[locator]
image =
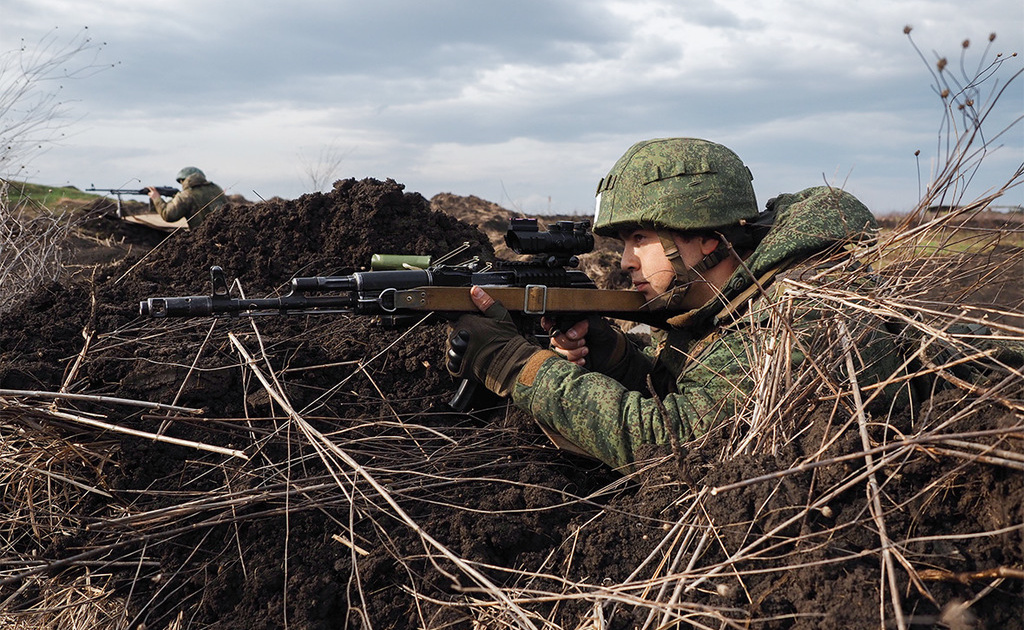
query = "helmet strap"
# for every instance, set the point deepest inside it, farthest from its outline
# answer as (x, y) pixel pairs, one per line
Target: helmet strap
(685, 276)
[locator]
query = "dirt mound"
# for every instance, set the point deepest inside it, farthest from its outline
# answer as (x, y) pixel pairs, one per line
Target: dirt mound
(326, 483)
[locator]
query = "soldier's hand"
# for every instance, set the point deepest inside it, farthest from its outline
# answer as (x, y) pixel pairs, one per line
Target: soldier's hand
(488, 348)
(592, 343)
(570, 343)
(153, 194)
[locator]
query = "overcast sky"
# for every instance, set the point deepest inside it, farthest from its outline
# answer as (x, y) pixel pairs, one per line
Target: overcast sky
(526, 103)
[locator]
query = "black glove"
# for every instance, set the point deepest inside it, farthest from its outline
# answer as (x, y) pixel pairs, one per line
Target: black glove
(489, 349)
(606, 345)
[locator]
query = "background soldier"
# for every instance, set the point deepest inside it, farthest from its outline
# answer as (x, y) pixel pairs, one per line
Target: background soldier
(198, 198)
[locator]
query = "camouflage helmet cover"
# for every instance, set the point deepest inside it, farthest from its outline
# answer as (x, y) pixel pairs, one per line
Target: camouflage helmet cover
(188, 170)
(676, 184)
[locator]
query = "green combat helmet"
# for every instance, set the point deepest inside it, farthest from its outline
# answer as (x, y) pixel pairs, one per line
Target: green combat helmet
(676, 184)
(184, 173)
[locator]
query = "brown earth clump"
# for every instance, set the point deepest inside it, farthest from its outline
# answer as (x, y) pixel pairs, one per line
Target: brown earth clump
(306, 472)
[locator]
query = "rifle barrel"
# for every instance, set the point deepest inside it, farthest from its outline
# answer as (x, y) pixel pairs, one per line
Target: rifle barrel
(216, 305)
(166, 191)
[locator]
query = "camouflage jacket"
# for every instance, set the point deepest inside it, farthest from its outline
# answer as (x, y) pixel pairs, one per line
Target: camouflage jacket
(706, 363)
(197, 199)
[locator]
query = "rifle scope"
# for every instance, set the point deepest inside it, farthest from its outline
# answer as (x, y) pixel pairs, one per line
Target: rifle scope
(570, 238)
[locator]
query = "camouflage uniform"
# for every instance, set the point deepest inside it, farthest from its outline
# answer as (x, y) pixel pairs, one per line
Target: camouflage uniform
(703, 365)
(197, 199)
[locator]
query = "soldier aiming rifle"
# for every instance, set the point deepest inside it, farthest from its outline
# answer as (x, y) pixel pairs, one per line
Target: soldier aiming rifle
(166, 191)
(197, 198)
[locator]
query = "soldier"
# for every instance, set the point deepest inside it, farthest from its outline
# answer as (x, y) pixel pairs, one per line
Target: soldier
(697, 247)
(198, 198)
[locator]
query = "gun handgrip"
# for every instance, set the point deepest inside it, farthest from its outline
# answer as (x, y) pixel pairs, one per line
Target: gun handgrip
(463, 395)
(565, 321)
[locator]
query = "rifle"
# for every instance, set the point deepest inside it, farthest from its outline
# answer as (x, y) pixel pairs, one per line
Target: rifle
(548, 284)
(166, 191)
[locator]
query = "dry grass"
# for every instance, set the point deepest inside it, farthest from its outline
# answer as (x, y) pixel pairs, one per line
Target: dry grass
(30, 247)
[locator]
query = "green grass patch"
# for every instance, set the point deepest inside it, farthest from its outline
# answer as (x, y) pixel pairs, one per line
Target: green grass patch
(51, 197)
(962, 241)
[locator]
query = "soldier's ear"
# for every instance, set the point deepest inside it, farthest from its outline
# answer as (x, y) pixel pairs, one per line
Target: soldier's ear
(708, 244)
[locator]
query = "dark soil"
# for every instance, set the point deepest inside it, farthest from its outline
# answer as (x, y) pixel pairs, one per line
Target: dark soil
(296, 535)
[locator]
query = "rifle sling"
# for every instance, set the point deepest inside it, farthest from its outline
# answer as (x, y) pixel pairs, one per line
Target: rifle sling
(531, 300)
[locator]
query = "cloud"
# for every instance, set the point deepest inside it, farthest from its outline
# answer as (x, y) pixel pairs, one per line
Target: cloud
(515, 101)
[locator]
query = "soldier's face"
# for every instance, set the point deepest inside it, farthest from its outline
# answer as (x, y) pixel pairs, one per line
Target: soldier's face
(644, 259)
(643, 256)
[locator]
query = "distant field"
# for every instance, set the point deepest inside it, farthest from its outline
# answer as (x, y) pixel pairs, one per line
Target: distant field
(46, 196)
(975, 233)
